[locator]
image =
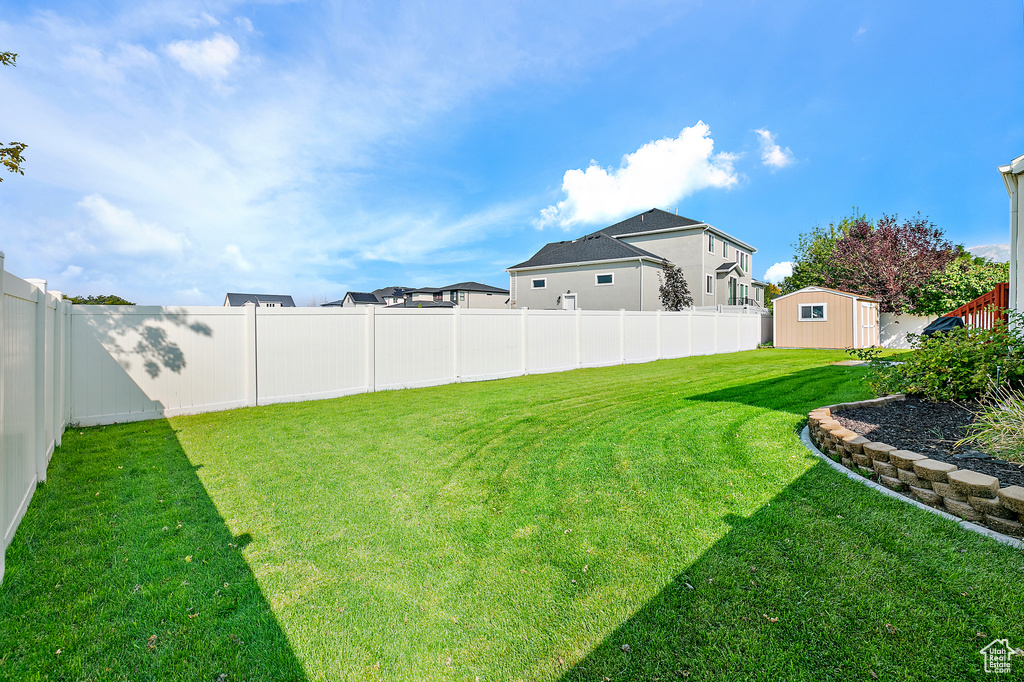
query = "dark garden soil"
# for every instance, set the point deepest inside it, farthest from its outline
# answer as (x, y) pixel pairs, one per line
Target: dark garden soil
(931, 429)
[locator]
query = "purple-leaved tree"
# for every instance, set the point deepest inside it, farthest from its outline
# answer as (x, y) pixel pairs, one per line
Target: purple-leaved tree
(890, 261)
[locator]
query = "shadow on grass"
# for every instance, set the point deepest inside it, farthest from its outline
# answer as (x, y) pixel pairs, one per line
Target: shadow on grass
(798, 392)
(823, 584)
(124, 569)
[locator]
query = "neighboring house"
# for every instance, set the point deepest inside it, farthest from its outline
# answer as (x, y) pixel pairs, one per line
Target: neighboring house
(1011, 177)
(260, 300)
(816, 317)
(421, 295)
(473, 295)
(358, 299)
(463, 294)
(391, 295)
(422, 304)
(382, 297)
(618, 267)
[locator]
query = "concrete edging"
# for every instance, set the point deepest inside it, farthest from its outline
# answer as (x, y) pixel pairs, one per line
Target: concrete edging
(805, 438)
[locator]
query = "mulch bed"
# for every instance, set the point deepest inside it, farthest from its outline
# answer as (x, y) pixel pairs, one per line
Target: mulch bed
(931, 429)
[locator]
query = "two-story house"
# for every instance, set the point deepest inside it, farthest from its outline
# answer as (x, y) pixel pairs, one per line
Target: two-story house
(618, 267)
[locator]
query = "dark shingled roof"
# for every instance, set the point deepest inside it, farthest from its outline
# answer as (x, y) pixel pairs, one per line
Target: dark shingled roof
(259, 299)
(363, 297)
(423, 290)
(594, 247)
(474, 286)
(648, 221)
(391, 291)
(725, 267)
(333, 304)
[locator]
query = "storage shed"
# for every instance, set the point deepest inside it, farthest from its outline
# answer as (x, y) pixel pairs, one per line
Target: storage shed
(815, 317)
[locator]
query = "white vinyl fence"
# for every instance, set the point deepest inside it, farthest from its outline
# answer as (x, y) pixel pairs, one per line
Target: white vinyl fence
(34, 381)
(137, 362)
(92, 365)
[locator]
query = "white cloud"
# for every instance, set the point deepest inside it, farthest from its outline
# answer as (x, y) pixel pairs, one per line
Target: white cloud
(109, 67)
(72, 271)
(659, 173)
(417, 239)
(245, 23)
(120, 231)
(772, 154)
(211, 59)
(233, 256)
(778, 272)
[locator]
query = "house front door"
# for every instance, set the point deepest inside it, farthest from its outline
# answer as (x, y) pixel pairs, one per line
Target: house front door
(569, 302)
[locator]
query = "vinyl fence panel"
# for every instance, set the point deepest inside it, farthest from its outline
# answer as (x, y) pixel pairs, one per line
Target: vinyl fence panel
(62, 364)
(310, 353)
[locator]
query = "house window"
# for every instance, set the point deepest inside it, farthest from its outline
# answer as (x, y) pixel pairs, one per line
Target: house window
(438, 297)
(453, 296)
(604, 279)
(462, 295)
(812, 312)
(541, 283)
(757, 294)
(725, 249)
(711, 243)
(269, 305)
(709, 284)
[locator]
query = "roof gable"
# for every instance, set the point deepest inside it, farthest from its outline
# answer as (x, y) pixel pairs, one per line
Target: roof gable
(649, 221)
(259, 299)
(806, 290)
(595, 247)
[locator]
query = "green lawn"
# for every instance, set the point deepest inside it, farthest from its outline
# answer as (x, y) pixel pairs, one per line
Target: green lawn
(529, 528)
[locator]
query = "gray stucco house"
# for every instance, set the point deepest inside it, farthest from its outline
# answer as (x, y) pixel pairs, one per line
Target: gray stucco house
(618, 267)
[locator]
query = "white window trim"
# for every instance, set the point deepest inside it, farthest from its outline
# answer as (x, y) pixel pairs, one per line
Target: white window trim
(533, 282)
(711, 243)
(800, 312)
(709, 284)
(605, 284)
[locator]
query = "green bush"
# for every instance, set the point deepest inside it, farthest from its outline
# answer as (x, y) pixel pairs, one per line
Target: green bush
(999, 427)
(957, 365)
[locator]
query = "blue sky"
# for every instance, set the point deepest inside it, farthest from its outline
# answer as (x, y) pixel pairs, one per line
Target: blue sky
(179, 150)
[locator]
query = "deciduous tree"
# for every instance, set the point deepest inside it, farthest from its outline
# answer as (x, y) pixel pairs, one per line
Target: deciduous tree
(812, 253)
(963, 280)
(674, 292)
(890, 261)
(11, 154)
(102, 299)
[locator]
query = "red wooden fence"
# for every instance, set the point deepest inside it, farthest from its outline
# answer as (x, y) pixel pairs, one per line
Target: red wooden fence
(983, 311)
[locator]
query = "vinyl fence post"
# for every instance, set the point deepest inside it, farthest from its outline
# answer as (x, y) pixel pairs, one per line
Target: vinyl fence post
(717, 321)
(579, 338)
(657, 330)
(524, 317)
(58, 368)
(249, 356)
(3, 450)
(622, 336)
(39, 418)
(689, 334)
(371, 348)
(456, 328)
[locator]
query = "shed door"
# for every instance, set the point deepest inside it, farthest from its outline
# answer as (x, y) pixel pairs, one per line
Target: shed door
(868, 325)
